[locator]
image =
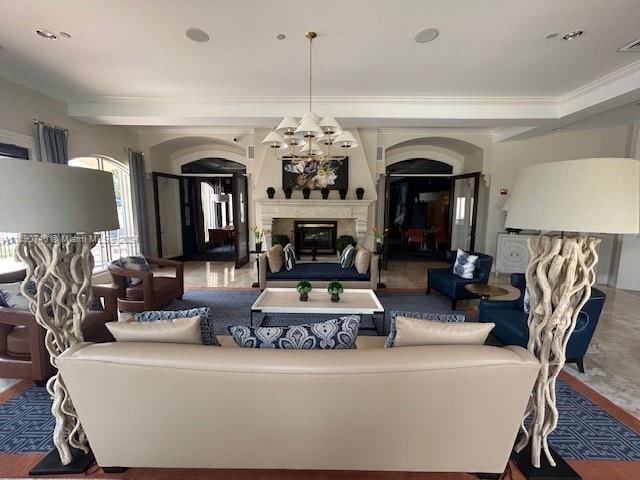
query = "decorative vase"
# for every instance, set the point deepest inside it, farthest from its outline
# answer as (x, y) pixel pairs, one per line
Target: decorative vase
(359, 193)
(335, 298)
(343, 193)
(258, 247)
(287, 192)
(306, 192)
(325, 193)
(271, 192)
(304, 297)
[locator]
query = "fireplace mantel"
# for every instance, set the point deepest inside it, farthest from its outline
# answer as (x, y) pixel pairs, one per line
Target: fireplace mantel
(316, 209)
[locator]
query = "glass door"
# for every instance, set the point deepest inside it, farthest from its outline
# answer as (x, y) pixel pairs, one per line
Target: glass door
(241, 219)
(463, 212)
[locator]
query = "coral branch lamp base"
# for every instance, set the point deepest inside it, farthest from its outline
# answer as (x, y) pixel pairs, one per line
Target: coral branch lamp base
(562, 470)
(51, 464)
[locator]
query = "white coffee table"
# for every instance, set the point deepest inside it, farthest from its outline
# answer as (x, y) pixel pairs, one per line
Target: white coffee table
(353, 301)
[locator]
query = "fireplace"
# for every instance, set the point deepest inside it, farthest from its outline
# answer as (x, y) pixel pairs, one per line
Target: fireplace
(315, 236)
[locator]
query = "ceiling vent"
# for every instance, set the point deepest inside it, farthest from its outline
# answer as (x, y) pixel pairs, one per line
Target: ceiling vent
(631, 47)
(380, 153)
(251, 152)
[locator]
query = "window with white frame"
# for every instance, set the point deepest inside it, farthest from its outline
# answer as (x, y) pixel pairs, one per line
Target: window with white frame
(121, 242)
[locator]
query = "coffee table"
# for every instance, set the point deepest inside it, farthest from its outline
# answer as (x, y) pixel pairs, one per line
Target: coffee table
(354, 301)
(485, 291)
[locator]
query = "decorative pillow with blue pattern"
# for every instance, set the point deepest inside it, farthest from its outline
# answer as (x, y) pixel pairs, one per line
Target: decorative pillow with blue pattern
(289, 257)
(11, 297)
(337, 333)
(429, 316)
(526, 301)
(465, 264)
(206, 324)
(135, 263)
(348, 257)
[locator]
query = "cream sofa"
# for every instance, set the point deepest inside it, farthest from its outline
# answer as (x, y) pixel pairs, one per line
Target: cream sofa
(438, 408)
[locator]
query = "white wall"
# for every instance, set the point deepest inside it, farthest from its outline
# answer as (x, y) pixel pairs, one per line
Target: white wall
(19, 106)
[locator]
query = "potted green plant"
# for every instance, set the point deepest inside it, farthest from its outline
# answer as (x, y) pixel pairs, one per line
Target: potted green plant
(335, 289)
(378, 236)
(258, 236)
(278, 238)
(303, 288)
(343, 241)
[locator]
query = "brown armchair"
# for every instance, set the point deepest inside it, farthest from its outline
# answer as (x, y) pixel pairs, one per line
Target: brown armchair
(153, 292)
(22, 350)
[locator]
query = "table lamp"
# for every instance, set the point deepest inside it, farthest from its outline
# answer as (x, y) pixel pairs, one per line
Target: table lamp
(56, 209)
(583, 197)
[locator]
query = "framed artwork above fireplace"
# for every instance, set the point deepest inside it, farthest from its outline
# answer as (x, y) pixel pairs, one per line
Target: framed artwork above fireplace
(315, 175)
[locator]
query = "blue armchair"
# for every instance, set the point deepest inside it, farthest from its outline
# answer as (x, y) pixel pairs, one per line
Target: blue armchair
(444, 281)
(511, 321)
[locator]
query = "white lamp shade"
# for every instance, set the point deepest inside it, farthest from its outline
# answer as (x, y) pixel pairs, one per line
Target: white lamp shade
(288, 125)
(325, 140)
(274, 140)
(591, 195)
(310, 116)
(48, 198)
(308, 128)
(311, 149)
(330, 126)
(345, 140)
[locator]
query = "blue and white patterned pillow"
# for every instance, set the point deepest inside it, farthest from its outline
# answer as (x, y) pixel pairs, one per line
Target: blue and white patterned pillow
(348, 256)
(10, 295)
(337, 333)
(206, 324)
(135, 263)
(429, 316)
(465, 264)
(289, 257)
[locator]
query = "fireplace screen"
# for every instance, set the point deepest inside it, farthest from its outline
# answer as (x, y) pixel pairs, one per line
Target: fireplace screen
(318, 235)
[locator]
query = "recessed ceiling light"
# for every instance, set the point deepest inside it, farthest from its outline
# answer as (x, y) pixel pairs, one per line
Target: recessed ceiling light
(552, 35)
(573, 35)
(64, 35)
(197, 35)
(281, 36)
(46, 34)
(426, 35)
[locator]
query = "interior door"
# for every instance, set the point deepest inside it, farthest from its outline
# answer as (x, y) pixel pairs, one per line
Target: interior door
(387, 207)
(241, 219)
(464, 211)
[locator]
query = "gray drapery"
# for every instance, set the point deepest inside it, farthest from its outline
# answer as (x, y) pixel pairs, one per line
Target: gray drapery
(52, 143)
(139, 194)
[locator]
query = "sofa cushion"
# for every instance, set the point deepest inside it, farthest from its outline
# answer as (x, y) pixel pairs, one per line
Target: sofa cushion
(337, 333)
(348, 256)
(428, 316)
(415, 332)
(362, 261)
(465, 264)
(289, 257)
(10, 295)
(135, 263)
(206, 324)
(318, 271)
(177, 330)
(275, 258)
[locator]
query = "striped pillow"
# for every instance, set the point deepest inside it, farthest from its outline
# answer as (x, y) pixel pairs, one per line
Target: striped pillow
(348, 257)
(289, 257)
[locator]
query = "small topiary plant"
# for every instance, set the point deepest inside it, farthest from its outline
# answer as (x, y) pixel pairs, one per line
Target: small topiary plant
(335, 289)
(280, 239)
(343, 241)
(303, 288)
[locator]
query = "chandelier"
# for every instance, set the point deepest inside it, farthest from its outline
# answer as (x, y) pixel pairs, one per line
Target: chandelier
(311, 137)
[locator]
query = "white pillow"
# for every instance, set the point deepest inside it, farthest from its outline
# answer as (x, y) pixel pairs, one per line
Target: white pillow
(465, 264)
(362, 260)
(416, 331)
(289, 257)
(179, 330)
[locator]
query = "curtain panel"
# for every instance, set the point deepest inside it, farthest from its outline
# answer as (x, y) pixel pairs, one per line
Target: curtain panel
(53, 144)
(137, 177)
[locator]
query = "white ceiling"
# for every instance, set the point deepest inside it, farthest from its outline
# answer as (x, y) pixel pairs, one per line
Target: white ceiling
(129, 62)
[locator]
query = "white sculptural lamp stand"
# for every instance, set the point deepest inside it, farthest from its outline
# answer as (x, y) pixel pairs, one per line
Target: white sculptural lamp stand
(590, 195)
(60, 199)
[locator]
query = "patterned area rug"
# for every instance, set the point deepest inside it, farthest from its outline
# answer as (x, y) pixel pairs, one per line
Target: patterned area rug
(585, 431)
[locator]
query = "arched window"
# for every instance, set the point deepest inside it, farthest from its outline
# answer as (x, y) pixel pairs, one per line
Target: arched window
(122, 242)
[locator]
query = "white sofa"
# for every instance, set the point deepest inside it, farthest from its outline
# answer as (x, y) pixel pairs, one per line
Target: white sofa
(438, 408)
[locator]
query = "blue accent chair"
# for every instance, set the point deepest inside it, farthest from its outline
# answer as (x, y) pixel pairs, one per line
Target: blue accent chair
(446, 282)
(511, 321)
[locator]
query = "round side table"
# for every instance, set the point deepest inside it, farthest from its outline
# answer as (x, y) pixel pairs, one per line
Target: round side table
(485, 291)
